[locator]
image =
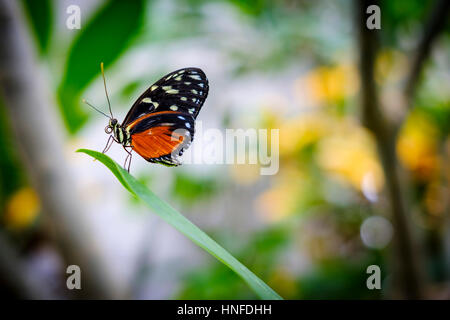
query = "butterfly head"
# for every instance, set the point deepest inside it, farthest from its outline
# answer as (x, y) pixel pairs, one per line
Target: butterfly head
(112, 125)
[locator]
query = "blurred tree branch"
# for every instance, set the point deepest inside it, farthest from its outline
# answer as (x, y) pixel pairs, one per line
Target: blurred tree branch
(40, 139)
(406, 273)
(432, 28)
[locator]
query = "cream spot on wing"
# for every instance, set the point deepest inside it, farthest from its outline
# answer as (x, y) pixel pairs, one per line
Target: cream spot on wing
(153, 88)
(178, 78)
(172, 91)
(187, 83)
(194, 91)
(201, 84)
(147, 100)
(183, 99)
(165, 88)
(196, 77)
(174, 108)
(191, 110)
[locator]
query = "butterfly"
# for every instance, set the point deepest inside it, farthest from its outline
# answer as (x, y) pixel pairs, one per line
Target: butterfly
(160, 125)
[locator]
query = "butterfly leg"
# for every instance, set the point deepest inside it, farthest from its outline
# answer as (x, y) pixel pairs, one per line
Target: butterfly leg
(129, 156)
(108, 144)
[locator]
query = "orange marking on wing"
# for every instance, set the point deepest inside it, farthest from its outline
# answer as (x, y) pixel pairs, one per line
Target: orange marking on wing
(132, 124)
(155, 142)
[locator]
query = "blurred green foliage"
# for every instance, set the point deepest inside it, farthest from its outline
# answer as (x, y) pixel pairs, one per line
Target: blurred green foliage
(340, 279)
(213, 282)
(190, 189)
(12, 176)
(40, 14)
(402, 17)
(103, 39)
(293, 30)
(261, 252)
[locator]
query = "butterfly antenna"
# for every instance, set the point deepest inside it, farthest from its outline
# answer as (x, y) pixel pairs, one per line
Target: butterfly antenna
(85, 101)
(106, 91)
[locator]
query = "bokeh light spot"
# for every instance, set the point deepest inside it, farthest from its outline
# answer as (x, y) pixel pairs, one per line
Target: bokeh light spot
(376, 232)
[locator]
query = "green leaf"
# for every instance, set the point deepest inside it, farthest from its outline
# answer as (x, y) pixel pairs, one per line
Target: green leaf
(40, 16)
(182, 224)
(103, 39)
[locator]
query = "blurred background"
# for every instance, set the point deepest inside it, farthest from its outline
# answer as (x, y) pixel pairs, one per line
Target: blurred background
(364, 119)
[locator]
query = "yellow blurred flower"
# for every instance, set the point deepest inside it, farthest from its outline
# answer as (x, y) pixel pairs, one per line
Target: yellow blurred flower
(390, 66)
(327, 85)
(276, 203)
(302, 131)
(245, 174)
(280, 201)
(417, 147)
(270, 118)
(22, 209)
(350, 154)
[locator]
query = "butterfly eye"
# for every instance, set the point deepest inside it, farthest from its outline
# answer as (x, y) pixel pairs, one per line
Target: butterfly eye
(108, 129)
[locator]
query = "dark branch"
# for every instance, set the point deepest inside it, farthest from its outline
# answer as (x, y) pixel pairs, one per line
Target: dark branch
(406, 274)
(433, 27)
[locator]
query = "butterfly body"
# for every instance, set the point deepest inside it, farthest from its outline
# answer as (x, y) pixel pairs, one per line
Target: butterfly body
(121, 135)
(161, 123)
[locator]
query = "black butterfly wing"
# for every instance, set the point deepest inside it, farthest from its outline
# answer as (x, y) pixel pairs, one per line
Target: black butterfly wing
(161, 122)
(184, 90)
